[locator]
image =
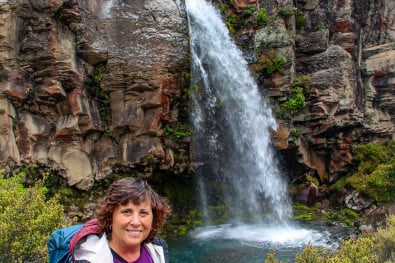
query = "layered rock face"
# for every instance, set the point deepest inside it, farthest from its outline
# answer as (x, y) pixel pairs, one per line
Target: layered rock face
(346, 51)
(87, 86)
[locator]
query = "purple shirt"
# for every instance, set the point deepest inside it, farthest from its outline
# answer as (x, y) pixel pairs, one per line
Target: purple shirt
(144, 257)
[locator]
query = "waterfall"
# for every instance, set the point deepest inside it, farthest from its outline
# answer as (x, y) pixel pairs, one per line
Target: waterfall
(233, 125)
(105, 10)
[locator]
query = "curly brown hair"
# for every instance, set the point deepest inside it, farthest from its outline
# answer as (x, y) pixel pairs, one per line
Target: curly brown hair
(133, 190)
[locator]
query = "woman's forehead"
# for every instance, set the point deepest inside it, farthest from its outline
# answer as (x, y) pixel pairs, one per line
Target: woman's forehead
(138, 203)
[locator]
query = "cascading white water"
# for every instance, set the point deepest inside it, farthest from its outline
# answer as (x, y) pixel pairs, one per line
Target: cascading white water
(233, 123)
(105, 10)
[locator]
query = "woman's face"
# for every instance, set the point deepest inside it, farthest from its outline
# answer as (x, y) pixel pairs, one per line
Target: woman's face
(131, 225)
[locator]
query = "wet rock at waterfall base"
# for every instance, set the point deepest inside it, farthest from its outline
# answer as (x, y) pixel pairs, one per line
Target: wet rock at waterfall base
(307, 194)
(357, 201)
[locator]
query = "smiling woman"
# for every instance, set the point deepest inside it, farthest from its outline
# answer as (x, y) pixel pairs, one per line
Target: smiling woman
(128, 219)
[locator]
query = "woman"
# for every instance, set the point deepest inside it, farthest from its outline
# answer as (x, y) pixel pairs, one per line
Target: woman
(128, 219)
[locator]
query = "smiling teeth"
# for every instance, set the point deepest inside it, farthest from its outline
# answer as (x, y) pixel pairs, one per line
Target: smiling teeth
(134, 231)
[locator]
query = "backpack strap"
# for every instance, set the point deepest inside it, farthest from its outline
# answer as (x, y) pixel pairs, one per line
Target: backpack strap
(161, 242)
(89, 228)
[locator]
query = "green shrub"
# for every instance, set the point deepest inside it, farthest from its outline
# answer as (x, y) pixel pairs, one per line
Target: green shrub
(295, 103)
(95, 92)
(232, 22)
(339, 185)
(276, 65)
(302, 81)
(271, 258)
(297, 100)
(99, 72)
(300, 20)
(373, 247)
(311, 254)
(351, 213)
(27, 219)
(248, 11)
(269, 63)
(304, 217)
(386, 241)
(351, 251)
(369, 156)
(375, 175)
(300, 207)
(261, 19)
(286, 11)
(178, 130)
(296, 133)
(381, 183)
(302, 212)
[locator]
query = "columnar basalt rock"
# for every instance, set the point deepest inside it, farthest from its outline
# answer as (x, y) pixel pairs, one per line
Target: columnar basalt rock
(51, 54)
(88, 86)
(345, 48)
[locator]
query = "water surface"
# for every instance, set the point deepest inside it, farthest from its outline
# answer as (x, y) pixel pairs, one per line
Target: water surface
(248, 243)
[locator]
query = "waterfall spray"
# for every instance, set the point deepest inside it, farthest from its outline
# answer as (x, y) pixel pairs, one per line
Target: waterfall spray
(105, 11)
(233, 124)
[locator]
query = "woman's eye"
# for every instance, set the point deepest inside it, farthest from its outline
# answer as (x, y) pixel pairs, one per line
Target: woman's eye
(144, 213)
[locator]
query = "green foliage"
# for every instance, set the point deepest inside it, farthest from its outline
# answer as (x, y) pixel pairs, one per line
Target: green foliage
(302, 212)
(304, 217)
(286, 11)
(302, 81)
(296, 133)
(339, 185)
(269, 63)
(261, 19)
(369, 248)
(386, 241)
(375, 176)
(27, 219)
(222, 7)
(232, 22)
(381, 183)
(248, 11)
(321, 26)
(220, 213)
(357, 250)
(95, 92)
(276, 65)
(19, 59)
(311, 254)
(300, 207)
(351, 251)
(271, 258)
(300, 20)
(295, 103)
(370, 155)
(191, 221)
(184, 83)
(313, 180)
(178, 130)
(99, 72)
(351, 213)
(297, 100)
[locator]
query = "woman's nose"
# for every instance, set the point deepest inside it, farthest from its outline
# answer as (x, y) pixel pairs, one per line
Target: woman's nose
(135, 219)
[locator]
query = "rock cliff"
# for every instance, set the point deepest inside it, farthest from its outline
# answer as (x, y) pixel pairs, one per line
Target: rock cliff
(344, 51)
(88, 86)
